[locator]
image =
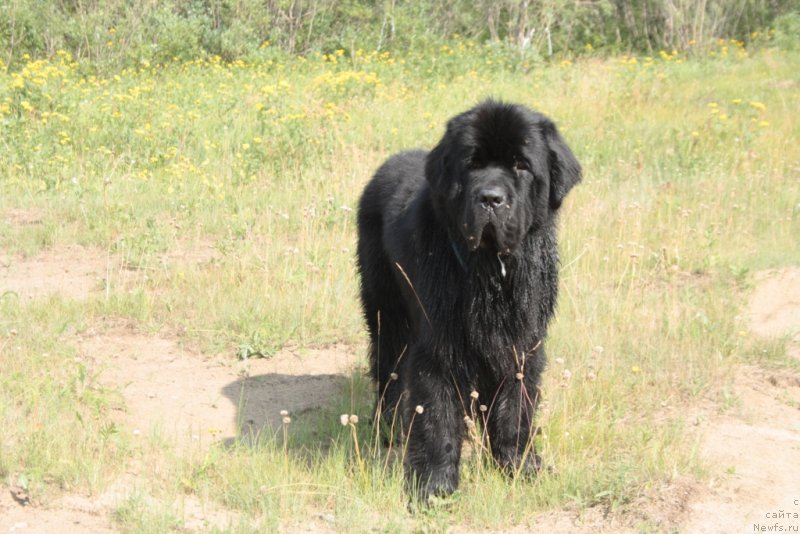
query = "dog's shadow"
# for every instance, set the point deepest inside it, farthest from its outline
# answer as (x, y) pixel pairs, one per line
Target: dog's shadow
(274, 405)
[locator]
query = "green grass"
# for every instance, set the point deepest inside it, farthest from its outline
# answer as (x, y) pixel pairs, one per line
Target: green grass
(692, 183)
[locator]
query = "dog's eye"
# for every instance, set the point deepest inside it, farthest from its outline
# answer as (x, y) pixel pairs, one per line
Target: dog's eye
(520, 165)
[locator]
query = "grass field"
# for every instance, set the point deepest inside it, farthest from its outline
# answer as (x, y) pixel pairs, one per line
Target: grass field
(692, 184)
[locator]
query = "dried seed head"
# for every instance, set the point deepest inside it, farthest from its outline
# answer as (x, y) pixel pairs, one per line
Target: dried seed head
(284, 413)
(344, 419)
(519, 376)
(419, 408)
(392, 376)
(287, 420)
(567, 374)
(483, 408)
(353, 419)
(474, 395)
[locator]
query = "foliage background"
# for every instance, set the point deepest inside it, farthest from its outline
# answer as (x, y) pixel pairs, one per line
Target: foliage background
(128, 33)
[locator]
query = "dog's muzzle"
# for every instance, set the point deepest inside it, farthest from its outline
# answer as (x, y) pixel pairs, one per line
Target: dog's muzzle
(487, 223)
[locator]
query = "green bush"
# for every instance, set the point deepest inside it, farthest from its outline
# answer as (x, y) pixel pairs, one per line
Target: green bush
(116, 32)
(787, 31)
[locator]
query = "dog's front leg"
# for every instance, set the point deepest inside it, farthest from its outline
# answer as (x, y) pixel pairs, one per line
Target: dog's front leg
(434, 430)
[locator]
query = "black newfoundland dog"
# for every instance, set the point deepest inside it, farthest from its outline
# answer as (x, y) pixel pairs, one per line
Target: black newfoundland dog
(459, 275)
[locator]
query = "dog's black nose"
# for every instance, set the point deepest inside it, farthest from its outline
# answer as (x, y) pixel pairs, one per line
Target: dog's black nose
(491, 197)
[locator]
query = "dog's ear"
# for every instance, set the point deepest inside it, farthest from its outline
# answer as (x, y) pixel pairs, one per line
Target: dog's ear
(439, 164)
(565, 171)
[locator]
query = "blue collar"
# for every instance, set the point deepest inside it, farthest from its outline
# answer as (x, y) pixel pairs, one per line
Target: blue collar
(458, 255)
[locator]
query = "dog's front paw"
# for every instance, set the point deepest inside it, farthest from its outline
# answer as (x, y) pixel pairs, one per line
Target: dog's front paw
(430, 484)
(526, 465)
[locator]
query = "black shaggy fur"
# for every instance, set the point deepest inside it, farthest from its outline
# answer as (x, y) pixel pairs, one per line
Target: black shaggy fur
(459, 276)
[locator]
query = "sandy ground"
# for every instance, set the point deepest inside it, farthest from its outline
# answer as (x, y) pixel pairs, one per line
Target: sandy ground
(71, 272)
(774, 309)
(195, 401)
(753, 451)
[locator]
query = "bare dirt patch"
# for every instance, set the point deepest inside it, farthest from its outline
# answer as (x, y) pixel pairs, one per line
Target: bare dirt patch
(753, 453)
(754, 450)
(55, 517)
(71, 272)
(78, 272)
(191, 399)
(84, 514)
(775, 306)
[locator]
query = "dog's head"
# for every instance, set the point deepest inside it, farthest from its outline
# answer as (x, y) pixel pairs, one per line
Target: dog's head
(500, 172)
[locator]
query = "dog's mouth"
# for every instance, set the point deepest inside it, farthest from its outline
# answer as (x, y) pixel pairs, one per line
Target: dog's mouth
(490, 238)
(496, 231)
